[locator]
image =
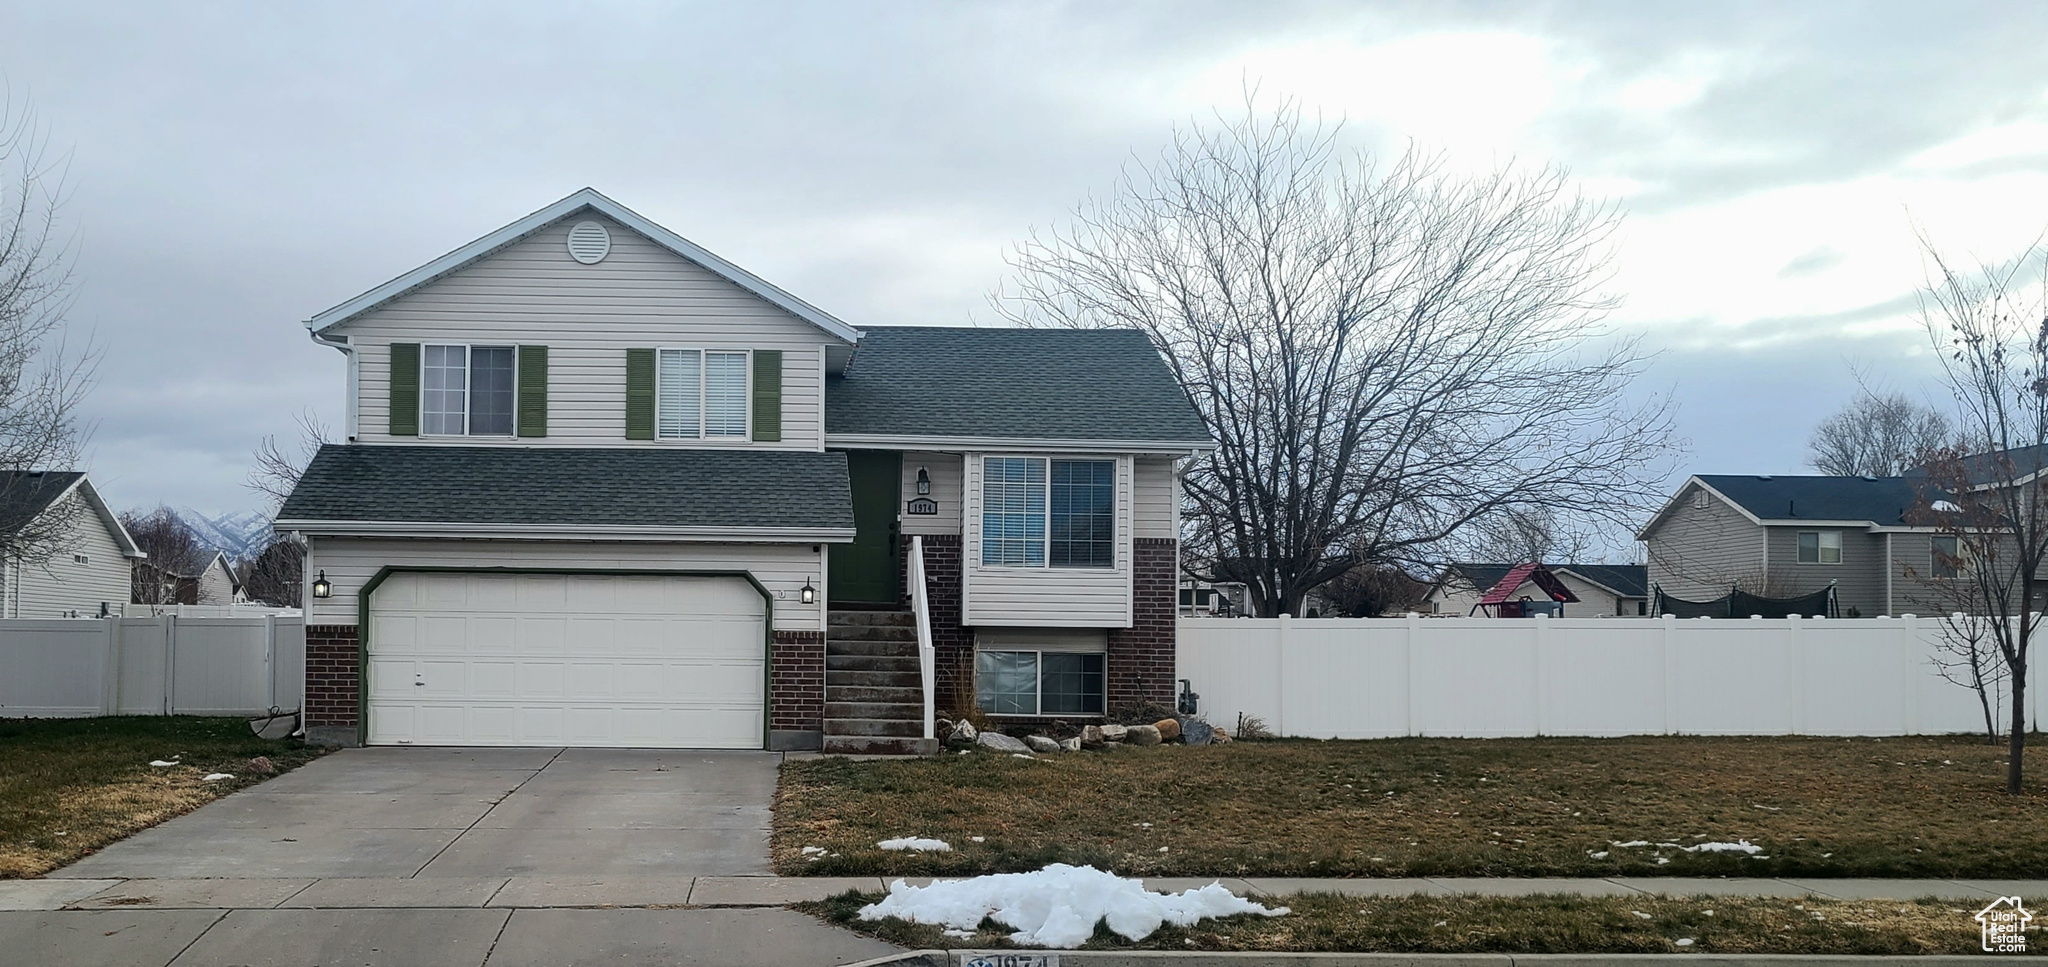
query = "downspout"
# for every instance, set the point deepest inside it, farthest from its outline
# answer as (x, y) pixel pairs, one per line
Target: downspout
(348, 411)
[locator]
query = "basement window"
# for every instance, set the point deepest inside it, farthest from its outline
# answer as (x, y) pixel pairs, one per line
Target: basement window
(1039, 682)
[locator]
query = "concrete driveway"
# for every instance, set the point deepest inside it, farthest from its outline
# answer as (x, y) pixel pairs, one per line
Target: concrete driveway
(388, 813)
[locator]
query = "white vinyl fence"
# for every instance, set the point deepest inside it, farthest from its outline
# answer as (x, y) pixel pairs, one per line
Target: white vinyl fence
(165, 665)
(1486, 677)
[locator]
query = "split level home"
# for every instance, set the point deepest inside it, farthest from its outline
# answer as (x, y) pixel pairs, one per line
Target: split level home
(1790, 536)
(85, 574)
(601, 487)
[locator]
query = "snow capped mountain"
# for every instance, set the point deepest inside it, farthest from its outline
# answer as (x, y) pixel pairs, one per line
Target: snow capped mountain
(241, 534)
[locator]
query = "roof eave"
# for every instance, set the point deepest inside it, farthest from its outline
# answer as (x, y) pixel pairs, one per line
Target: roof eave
(870, 441)
(592, 199)
(620, 532)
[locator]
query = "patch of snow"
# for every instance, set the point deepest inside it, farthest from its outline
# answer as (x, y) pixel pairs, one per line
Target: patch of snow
(1630, 843)
(216, 777)
(1706, 913)
(1739, 846)
(1162, 849)
(979, 839)
(964, 934)
(1641, 915)
(1020, 755)
(162, 763)
(918, 845)
(1598, 856)
(813, 851)
(1661, 860)
(1682, 942)
(1058, 906)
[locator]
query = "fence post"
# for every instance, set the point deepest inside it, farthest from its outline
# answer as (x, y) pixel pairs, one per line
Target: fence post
(1408, 675)
(1909, 649)
(110, 690)
(1796, 652)
(170, 664)
(270, 659)
(1542, 622)
(1670, 627)
(1280, 711)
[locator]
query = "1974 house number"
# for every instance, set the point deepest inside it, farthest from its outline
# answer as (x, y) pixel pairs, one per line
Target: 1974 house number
(1000, 959)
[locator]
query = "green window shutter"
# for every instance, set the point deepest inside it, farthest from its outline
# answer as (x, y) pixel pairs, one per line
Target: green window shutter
(639, 394)
(768, 395)
(533, 391)
(405, 389)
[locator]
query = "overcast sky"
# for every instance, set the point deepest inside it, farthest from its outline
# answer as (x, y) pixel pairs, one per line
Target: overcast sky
(235, 170)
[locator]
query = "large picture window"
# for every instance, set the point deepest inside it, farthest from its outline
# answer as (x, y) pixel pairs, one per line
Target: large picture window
(1038, 682)
(467, 390)
(700, 394)
(1038, 512)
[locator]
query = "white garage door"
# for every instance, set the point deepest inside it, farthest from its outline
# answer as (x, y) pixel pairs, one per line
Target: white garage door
(565, 659)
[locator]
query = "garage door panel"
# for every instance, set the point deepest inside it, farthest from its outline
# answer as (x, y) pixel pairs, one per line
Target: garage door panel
(538, 659)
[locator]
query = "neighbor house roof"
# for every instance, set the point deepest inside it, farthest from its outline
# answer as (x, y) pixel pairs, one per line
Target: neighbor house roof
(1624, 580)
(26, 494)
(963, 385)
(587, 199)
(1808, 499)
(573, 491)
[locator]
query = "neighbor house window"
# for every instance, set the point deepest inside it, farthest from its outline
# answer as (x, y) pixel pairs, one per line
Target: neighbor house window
(1820, 547)
(466, 390)
(1038, 683)
(700, 394)
(1038, 512)
(1947, 561)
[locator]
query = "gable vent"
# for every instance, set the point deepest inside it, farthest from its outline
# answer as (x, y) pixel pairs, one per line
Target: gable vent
(589, 243)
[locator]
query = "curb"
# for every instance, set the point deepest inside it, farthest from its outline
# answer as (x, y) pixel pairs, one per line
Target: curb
(1159, 958)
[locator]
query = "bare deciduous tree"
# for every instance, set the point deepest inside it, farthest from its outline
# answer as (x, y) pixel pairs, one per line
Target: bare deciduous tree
(1526, 535)
(1383, 354)
(1878, 435)
(1990, 326)
(41, 382)
(276, 575)
(175, 557)
(276, 472)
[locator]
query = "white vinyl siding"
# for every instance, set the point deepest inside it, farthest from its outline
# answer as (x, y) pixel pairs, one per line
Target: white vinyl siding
(782, 568)
(640, 296)
(944, 471)
(1699, 552)
(1155, 497)
(63, 586)
(1053, 597)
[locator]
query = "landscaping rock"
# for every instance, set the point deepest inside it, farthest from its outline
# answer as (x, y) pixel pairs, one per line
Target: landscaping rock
(1091, 736)
(1040, 743)
(1001, 743)
(1169, 729)
(1072, 745)
(1142, 735)
(1222, 738)
(263, 765)
(1197, 732)
(964, 733)
(1114, 733)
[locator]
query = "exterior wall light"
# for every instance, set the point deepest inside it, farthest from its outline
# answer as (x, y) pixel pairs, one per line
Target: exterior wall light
(810, 594)
(322, 589)
(924, 483)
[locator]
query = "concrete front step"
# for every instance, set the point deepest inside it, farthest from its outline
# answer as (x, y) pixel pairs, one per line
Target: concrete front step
(910, 711)
(878, 745)
(840, 646)
(872, 663)
(899, 619)
(870, 633)
(910, 680)
(898, 727)
(888, 694)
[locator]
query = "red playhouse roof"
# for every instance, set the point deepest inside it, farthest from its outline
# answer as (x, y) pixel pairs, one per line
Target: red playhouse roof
(1524, 573)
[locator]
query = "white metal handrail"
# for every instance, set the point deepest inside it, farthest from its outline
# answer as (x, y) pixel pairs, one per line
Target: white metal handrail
(920, 605)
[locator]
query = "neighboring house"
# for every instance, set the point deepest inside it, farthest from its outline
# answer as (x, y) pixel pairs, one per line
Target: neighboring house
(602, 487)
(1204, 599)
(1786, 536)
(217, 583)
(213, 583)
(1603, 590)
(88, 575)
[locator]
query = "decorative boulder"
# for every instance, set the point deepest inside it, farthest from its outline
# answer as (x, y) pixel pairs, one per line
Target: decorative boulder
(1197, 732)
(1040, 743)
(964, 733)
(1091, 736)
(262, 764)
(1071, 745)
(1114, 733)
(1222, 736)
(1001, 743)
(1169, 729)
(1142, 735)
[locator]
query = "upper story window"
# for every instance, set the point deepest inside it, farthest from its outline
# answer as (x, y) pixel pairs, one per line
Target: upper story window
(1947, 559)
(1038, 512)
(700, 394)
(466, 390)
(1820, 547)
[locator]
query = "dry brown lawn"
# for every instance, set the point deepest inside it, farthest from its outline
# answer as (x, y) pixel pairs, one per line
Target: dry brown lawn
(71, 786)
(1554, 924)
(1405, 807)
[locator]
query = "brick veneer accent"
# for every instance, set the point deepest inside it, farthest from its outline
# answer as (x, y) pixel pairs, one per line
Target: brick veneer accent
(796, 682)
(333, 676)
(1141, 658)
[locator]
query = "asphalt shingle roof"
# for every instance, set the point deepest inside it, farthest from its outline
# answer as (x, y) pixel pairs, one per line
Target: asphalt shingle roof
(24, 494)
(1631, 580)
(1881, 500)
(1048, 384)
(627, 486)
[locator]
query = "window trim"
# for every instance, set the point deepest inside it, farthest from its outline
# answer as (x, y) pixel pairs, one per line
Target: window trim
(1116, 523)
(1038, 682)
(1820, 548)
(468, 390)
(704, 354)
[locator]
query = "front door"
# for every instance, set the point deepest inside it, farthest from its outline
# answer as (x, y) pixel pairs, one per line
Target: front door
(864, 572)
